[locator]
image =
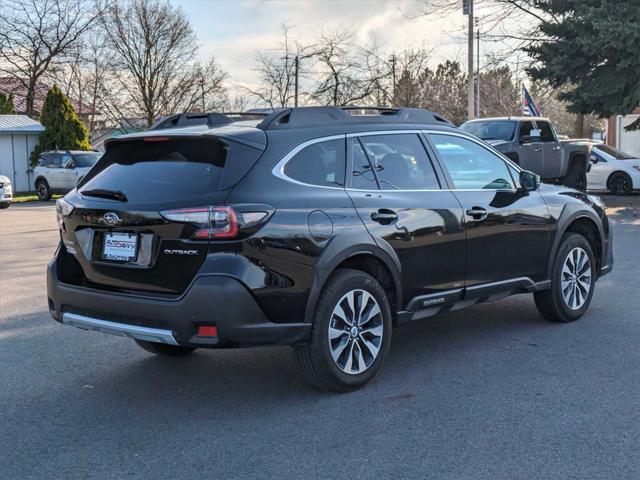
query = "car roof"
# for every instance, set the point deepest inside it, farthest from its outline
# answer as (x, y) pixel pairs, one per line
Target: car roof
(72, 152)
(515, 118)
(300, 123)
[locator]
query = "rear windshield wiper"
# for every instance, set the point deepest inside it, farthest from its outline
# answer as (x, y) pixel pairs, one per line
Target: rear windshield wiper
(103, 193)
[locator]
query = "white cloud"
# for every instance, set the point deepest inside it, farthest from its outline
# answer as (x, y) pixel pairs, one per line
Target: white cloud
(234, 30)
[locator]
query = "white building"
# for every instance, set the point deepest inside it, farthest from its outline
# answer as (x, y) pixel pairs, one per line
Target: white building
(618, 137)
(18, 137)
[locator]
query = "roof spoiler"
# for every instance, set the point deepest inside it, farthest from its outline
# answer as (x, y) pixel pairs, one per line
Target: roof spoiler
(211, 119)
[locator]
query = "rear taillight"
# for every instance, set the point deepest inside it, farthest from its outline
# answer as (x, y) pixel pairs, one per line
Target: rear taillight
(63, 209)
(210, 222)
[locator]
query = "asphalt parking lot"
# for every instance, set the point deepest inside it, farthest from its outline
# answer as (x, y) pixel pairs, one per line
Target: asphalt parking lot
(492, 392)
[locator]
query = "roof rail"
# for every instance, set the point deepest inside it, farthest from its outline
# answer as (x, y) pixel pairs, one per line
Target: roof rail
(311, 116)
(178, 120)
(252, 113)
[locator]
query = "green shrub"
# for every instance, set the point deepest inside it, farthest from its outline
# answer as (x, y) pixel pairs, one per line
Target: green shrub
(6, 105)
(64, 130)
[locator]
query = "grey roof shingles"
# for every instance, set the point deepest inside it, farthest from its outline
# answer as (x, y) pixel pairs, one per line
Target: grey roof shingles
(19, 124)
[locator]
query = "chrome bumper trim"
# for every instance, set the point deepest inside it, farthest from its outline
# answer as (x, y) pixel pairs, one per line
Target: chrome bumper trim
(121, 329)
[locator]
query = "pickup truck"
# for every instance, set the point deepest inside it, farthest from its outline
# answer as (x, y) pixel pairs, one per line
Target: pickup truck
(532, 143)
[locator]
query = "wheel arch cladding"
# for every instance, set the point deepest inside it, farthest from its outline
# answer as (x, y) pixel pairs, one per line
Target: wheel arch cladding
(577, 158)
(585, 224)
(361, 254)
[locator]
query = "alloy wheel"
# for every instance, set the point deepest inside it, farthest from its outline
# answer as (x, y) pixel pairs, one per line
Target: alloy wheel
(576, 278)
(620, 184)
(355, 332)
(42, 191)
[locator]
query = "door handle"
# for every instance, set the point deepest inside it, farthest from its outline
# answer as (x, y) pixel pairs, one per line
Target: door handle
(384, 216)
(477, 213)
(538, 149)
(556, 148)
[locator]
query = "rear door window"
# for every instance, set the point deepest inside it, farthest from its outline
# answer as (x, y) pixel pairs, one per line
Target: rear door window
(321, 163)
(546, 131)
(362, 176)
(525, 129)
(86, 160)
(400, 162)
(53, 160)
(173, 169)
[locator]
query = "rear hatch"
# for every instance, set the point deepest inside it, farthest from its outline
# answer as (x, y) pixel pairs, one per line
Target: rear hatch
(141, 218)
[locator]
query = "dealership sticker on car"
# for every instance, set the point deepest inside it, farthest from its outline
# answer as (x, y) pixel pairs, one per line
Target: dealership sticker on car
(120, 246)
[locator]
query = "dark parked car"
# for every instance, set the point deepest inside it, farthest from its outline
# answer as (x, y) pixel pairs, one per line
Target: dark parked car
(320, 228)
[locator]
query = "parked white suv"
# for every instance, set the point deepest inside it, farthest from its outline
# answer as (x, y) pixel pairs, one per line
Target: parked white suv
(60, 171)
(6, 193)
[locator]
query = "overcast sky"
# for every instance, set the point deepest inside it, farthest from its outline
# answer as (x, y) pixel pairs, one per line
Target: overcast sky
(232, 30)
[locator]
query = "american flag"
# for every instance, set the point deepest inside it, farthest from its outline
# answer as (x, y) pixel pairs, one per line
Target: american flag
(529, 106)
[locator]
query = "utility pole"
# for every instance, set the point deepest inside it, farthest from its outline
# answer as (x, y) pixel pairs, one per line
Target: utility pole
(296, 64)
(393, 79)
(204, 108)
(478, 72)
(295, 92)
(467, 7)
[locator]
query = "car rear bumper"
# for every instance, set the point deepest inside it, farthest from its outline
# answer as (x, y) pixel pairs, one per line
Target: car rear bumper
(211, 300)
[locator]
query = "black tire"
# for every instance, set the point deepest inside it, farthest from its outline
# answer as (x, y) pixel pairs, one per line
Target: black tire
(552, 303)
(5, 205)
(577, 177)
(42, 190)
(620, 183)
(164, 349)
(315, 358)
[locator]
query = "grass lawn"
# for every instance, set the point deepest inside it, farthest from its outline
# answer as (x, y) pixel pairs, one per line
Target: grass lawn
(29, 197)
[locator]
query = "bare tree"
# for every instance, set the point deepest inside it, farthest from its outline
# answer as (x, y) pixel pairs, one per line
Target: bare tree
(563, 120)
(87, 78)
(445, 91)
(499, 92)
(155, 60)
(36, 35)
(346, 73)
(410, 70)
(276, 71)
(205, 87)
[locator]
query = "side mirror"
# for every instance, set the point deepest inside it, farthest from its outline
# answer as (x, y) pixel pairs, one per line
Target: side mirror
(529, 181)
(593, 159)
(70, 164)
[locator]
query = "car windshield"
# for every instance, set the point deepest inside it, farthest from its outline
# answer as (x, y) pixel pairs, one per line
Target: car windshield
(86, 160)
(614, 152)
(491, 130)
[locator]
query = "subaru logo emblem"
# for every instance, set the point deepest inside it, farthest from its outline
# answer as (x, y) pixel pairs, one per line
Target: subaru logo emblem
(111, 218)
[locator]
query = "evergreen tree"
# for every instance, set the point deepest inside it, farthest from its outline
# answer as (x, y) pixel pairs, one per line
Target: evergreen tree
(591, 49)
(64, 130)
(6, 105)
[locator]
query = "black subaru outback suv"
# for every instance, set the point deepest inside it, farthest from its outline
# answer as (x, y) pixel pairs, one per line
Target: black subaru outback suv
(321, 228)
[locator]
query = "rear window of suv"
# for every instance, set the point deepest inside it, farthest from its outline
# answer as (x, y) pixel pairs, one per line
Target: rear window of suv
(86, 160)
(321, 163)
(173, 169)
